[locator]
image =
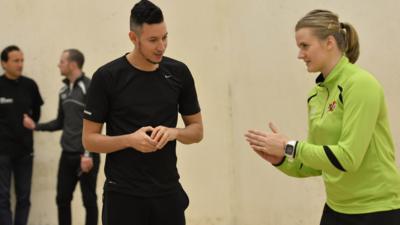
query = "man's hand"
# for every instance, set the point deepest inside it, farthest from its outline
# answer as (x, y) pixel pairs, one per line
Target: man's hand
(86, 164)
(162, 135)
(28, 122)
(141, 141)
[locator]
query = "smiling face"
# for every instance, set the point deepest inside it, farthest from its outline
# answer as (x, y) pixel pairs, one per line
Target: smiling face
(312, 50)
(151, 42)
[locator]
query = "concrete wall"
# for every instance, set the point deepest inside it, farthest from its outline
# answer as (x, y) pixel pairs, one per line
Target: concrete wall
(243, 57)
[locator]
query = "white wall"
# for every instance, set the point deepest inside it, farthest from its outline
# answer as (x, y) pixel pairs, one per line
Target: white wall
(243, 57)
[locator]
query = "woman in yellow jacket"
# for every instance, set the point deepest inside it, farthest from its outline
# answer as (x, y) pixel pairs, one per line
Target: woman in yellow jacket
(349, 141)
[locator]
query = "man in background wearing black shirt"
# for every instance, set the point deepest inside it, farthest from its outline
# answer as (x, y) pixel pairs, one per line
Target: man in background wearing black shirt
(139, 96)
(19, 95)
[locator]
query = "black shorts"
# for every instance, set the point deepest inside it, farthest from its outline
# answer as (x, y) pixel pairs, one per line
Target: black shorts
(123, 209)
(330, 217)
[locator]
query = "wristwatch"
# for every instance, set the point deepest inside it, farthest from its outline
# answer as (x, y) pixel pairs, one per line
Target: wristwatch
(86, 153)
(290, 150)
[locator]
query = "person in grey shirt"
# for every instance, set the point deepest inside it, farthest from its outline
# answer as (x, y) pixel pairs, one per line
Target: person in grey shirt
(75, 164)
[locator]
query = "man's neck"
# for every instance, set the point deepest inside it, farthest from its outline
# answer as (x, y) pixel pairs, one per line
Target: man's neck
(139, 62)
(11, 77)
(74, 76)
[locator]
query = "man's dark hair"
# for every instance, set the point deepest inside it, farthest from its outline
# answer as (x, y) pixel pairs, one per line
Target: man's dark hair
(7, 50)
(74, 55)
(145, 12)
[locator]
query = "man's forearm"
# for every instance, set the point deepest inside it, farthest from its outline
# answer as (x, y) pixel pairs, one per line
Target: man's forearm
(104, 144)
(49, 126)
(192, 133)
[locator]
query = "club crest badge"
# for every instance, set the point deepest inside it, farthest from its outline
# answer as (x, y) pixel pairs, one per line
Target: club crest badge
(332, 106)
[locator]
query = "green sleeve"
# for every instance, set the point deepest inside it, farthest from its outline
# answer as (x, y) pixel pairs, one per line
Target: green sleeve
(297, 169)
(362, 102)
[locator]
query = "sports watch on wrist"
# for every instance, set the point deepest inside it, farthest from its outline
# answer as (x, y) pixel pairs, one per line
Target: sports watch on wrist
(290, 150)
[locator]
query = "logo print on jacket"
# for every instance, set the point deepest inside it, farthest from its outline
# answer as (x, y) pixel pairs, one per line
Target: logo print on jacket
(332, 106)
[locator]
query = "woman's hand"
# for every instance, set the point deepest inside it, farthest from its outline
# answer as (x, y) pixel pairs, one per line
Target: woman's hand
(270, 146)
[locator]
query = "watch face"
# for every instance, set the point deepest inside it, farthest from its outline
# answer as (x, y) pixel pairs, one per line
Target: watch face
(289, 149)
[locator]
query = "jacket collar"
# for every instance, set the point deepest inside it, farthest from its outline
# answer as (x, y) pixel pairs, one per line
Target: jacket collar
(66, 81)
(334, 75)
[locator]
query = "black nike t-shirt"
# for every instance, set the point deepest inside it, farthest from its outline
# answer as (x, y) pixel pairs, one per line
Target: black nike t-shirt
(127, 99)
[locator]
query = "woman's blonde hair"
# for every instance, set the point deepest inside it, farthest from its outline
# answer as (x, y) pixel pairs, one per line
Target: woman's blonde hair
(325, 23)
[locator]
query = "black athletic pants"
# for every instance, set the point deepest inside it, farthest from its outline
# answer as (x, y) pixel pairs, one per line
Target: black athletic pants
(69, 173)
(122, 209)
(330, 217)
(21, 168)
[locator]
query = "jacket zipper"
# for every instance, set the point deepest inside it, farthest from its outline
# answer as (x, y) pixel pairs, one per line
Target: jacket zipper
(326, 104)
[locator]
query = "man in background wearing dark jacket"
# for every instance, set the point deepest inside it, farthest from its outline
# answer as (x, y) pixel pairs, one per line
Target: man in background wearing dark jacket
(76, 164)
(19, 95)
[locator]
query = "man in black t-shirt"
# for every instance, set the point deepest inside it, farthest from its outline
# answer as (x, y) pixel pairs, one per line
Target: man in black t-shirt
(19, 96)
(139, 96)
